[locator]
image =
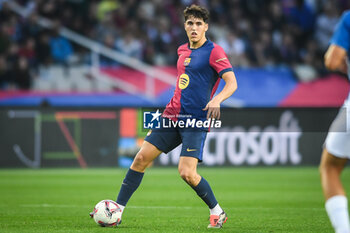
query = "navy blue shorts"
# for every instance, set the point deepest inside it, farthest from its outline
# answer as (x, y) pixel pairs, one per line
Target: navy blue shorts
(167, 139)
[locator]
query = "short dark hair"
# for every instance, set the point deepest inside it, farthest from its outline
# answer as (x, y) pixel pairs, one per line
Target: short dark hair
(197, 12)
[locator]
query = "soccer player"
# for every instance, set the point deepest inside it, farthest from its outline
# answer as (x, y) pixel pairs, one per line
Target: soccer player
(337, 145)
(201, 63)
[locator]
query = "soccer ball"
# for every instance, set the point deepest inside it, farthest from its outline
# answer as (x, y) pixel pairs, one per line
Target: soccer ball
(107, 213)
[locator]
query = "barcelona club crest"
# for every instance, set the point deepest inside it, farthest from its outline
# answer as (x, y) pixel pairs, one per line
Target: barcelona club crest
(187, 61)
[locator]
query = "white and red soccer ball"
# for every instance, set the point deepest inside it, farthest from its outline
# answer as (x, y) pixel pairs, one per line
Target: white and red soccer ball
(107, 213)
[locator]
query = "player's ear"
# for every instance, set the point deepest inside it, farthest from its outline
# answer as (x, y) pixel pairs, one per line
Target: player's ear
(185, 24)
(206, 26)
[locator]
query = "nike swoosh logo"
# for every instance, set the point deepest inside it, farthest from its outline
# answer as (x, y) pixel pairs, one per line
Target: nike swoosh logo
(189, 150)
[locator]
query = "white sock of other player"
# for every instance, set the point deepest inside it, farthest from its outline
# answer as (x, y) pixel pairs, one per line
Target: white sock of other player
(337, 209)
(217, 210)
(121, 207)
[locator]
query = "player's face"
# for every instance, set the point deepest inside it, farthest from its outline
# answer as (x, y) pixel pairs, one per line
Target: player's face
(195, 29)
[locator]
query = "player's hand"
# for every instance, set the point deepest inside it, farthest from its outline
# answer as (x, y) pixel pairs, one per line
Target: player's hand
(213, 108)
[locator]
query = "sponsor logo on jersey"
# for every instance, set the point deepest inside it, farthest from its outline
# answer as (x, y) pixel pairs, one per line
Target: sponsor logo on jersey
(184, 81)
(187, 61)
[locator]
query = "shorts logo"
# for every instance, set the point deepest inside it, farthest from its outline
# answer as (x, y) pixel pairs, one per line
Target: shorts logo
(187, 61)
(189, 150)
(184, 81)
(151, 120)
(149, 132)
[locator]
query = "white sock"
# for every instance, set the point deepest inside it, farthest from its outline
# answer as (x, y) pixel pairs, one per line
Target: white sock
(337, 209)
(217, 210)
(121, 207)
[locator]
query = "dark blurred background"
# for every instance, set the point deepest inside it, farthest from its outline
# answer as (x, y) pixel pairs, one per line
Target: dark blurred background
(254, 33)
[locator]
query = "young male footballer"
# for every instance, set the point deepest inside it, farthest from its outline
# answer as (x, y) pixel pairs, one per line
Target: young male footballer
(337, 145)
(201, 63)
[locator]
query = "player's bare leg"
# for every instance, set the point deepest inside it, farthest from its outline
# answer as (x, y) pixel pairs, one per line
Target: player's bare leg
(330, 170)
(145, 157)
(336, 201)
(188, 172)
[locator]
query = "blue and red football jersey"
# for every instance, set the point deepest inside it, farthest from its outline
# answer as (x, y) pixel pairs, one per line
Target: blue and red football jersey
(197, 80)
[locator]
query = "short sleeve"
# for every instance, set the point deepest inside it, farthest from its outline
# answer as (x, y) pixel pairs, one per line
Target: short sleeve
(341, 35)
(219, 61)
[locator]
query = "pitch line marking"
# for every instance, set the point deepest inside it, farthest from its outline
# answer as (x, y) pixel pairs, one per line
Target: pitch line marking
(45, 205)
(83, 206)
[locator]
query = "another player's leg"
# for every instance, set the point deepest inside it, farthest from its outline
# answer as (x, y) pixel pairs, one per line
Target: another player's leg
(133, 178)
(336, 201)
(188, 172)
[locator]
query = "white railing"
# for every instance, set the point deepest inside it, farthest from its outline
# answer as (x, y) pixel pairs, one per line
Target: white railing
(98, 49)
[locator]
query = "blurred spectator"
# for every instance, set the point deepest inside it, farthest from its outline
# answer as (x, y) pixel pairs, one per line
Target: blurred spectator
(149, 52)
(28, 52)
(129, 45)
(4, 73)
(61, 48)
(164, 42)
(146, 10)
(21, 74)
(254, 33)
(109, 42)
(235, 49)
(105, 7)
(302, 18)
(288, 49)
(302, 15)
(106, 27)
(4, 39)
(12, 56)
(30, 27)
(14, 30)
(43, 49)
(263, 50)
(5, 12)
(325, 24)
(49, 9)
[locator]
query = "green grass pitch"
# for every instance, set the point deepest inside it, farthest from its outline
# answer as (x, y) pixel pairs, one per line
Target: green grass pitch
(255, 199)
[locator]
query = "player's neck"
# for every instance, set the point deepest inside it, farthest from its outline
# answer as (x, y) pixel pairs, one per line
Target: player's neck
(196, 45)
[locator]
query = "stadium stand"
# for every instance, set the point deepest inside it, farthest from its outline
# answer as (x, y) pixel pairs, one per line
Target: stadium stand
(283, 51)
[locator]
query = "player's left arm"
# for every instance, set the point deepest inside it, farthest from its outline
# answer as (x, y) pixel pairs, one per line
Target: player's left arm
(335, 58)
(230, 87)
(337, 53)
